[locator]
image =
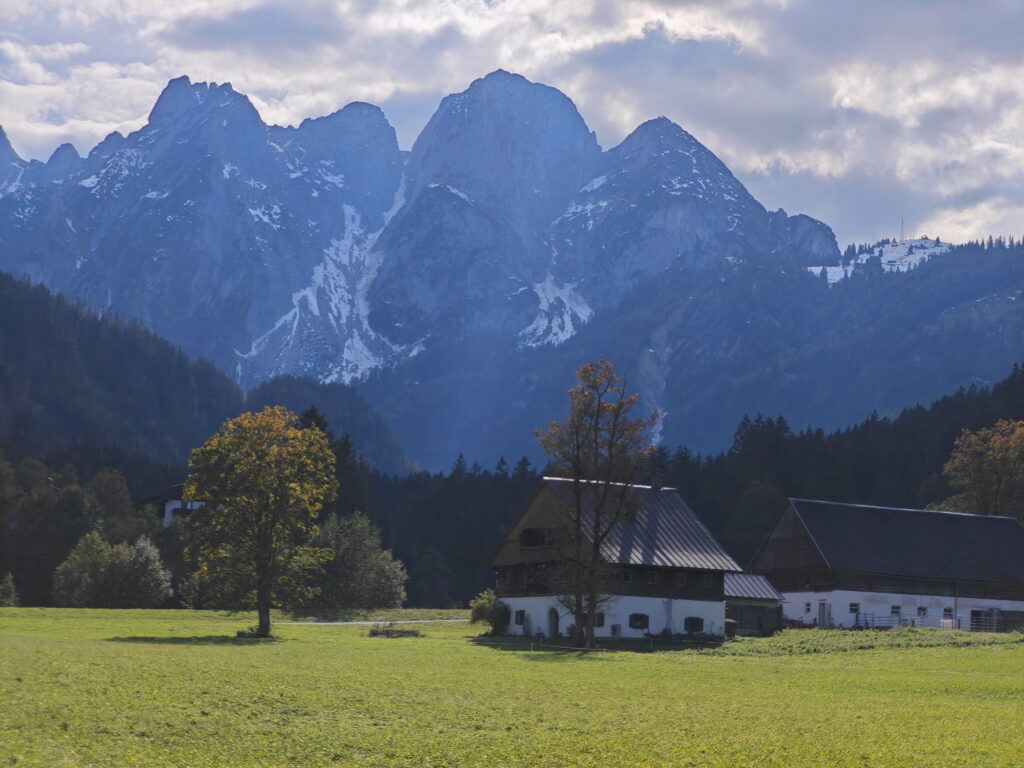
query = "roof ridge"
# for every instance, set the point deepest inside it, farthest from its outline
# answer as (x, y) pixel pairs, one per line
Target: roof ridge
(601, 482)
(901, 509)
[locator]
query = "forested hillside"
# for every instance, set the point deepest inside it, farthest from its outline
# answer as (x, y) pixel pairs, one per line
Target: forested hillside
(94, 391)
(69, 376)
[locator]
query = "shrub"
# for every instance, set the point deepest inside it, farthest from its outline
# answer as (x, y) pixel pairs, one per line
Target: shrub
(391, 630)
(487, 608)
(97, 575)
(8, 594)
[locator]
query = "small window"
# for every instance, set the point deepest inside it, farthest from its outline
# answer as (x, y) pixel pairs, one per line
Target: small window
(680, 578)
(639, 621)
(627, 576)
(598, 619)
(947, 613)
(854, 607)
(692, 624)
(531, 537)
(706, 580)
(894, 610)
(922, 610)
(652, 577)
(520, 617)
(807, 607)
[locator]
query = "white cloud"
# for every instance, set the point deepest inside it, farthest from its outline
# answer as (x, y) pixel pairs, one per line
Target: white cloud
(822, 106)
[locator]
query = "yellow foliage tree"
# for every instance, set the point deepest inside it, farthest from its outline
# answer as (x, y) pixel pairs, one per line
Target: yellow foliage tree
(263, 479)
(987, 469)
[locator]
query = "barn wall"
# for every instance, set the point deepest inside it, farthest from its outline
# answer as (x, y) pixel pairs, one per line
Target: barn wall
(662, 612)
(879, 603)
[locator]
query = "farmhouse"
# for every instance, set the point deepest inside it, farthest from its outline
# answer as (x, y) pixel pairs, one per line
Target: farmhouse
(847, 565)
(665, 569)
(169, 504)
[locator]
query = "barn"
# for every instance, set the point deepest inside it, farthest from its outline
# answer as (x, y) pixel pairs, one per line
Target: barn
(851, 565)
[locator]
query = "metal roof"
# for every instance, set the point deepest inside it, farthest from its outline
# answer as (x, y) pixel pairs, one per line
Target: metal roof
(916, 543)
(664, 531)
(751, 586)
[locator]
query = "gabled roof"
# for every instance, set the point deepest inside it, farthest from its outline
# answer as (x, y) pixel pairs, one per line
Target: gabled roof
(916, 543)
(664, 531)
(751, 586)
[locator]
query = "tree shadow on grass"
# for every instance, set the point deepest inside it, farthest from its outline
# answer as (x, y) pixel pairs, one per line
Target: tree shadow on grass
(197, 640)
(548, 650)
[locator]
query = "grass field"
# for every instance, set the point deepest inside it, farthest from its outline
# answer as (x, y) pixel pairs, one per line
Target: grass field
(175, 688)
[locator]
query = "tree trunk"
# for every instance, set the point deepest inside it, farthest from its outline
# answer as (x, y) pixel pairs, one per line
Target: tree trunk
(591, 613)
(263, 607)
(579, 619)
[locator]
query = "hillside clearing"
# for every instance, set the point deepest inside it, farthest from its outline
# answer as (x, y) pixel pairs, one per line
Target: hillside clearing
(176, 688)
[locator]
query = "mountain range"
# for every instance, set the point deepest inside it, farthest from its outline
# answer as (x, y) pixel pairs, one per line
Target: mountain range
(458, 284)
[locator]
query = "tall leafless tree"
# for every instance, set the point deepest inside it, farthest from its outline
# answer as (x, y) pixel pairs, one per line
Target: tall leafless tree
(598, 447)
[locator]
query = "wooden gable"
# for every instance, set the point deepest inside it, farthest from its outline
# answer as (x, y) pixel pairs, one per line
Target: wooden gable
(542, 515)
(788, 548)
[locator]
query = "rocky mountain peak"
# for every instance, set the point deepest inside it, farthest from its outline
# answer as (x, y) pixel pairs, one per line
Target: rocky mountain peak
(64, 161)
(664, 142)
(520, 149)
(184, 101)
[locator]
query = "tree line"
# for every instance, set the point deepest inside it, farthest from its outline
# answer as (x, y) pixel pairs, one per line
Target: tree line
(427, 537)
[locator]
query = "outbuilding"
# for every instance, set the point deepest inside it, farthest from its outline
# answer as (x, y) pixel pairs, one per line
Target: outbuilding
(753, 604)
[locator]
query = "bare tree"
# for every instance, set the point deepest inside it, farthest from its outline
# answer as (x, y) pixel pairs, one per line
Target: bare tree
(598, 448)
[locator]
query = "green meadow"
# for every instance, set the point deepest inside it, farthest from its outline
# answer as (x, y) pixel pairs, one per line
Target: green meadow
(176, 688)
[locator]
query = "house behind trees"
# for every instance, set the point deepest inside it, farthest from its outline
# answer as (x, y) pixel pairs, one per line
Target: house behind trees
(664, 570)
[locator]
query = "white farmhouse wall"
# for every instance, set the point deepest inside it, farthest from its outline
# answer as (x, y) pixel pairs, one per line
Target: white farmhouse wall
(173, 504)
(804, 606)
(663, 612)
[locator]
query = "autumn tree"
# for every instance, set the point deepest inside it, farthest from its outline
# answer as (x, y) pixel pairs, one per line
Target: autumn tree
(263, 479)
(987, 470)
(600, 446)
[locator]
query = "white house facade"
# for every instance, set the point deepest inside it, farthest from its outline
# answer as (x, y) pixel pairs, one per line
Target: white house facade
(623, 616)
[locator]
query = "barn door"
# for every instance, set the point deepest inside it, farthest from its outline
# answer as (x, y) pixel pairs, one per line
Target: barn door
(552, 622)
(824, 614)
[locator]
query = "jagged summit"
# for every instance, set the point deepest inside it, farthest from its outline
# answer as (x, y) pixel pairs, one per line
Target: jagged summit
(64, 153)
(182, 97)
(354, 111)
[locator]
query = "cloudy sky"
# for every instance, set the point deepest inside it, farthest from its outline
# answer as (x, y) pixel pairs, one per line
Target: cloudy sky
(858, 112)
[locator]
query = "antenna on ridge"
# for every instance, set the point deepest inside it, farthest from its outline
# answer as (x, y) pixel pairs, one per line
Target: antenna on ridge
(901, 229)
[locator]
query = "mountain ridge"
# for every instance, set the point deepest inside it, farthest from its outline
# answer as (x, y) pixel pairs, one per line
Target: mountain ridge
(323, 250)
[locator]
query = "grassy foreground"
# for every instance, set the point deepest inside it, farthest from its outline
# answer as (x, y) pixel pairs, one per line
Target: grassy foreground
(175, 688)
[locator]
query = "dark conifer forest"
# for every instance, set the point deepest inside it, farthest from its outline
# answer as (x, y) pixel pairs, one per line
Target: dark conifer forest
(80, 393)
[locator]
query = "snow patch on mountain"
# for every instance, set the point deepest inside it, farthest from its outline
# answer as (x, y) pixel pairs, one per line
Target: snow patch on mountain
(561, 308)
(894, 257)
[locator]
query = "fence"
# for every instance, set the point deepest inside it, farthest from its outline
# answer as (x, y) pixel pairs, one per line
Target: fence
(978, 621)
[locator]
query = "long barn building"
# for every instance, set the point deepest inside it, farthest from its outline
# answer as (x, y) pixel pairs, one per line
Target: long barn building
(846, 565)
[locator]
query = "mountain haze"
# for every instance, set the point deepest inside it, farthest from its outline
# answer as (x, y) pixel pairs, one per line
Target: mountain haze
(459, 283)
